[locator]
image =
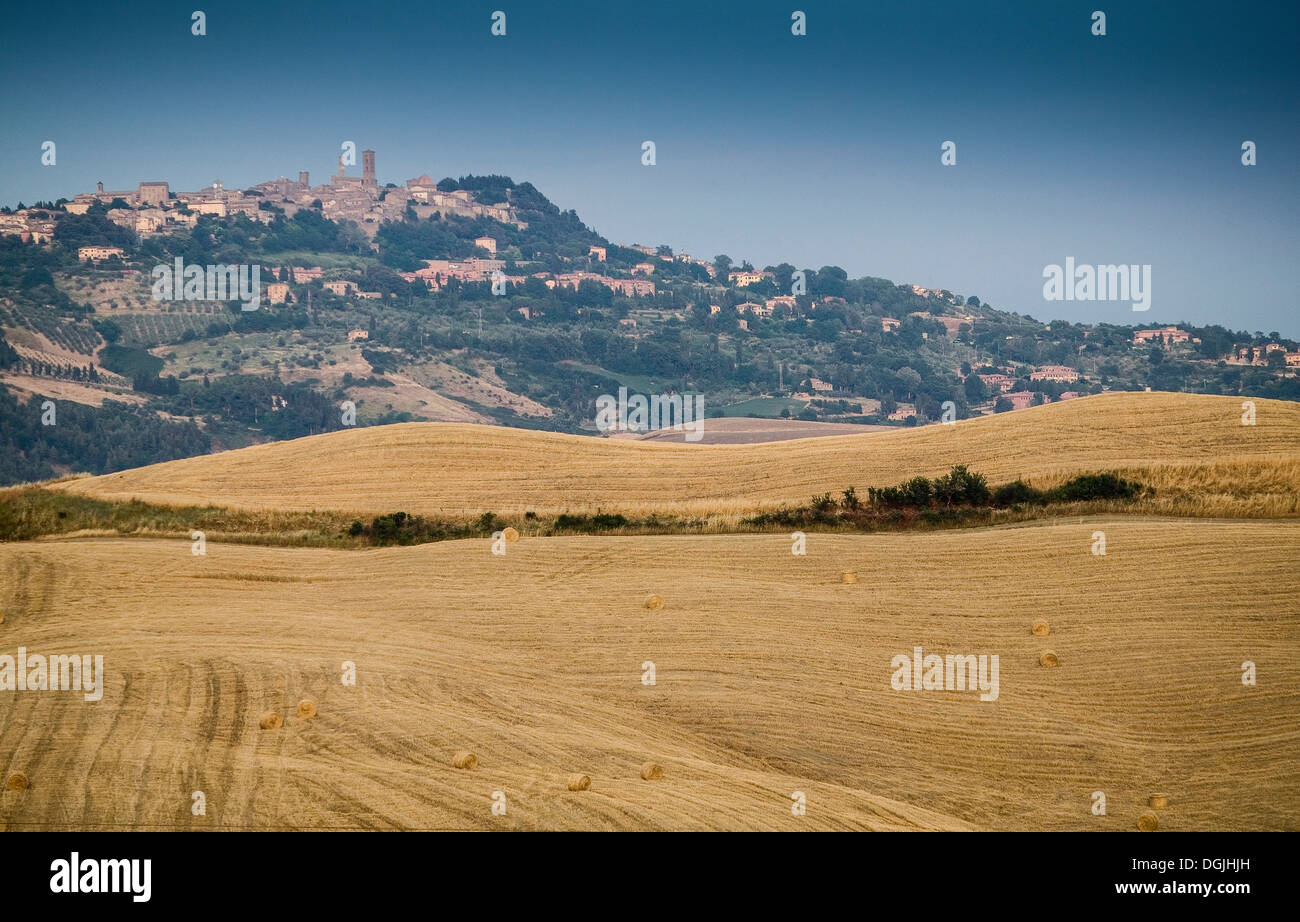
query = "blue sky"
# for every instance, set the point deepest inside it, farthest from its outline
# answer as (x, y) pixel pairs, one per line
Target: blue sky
(815, 150)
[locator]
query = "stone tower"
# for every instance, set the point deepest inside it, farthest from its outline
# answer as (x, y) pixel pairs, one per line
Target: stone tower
(367, 167)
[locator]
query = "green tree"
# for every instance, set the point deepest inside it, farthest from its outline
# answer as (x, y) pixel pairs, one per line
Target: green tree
(910, 379)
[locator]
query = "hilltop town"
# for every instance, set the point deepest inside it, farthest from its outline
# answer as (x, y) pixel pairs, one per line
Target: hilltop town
(153, 208)
(478, 300)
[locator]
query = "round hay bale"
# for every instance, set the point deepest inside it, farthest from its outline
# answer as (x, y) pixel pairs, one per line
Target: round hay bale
(849, 576)
(1158, 801)
(654, 602)
(1147, 822)
(1049, 659)
(271, 721)
(1040, 628)
(652, 771)
(465, 760)
(578, 782)
(17, 781)
(510, 535)
(306, 708)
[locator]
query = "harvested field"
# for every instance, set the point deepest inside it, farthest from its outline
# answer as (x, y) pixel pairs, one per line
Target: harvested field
(770, 676)
(1175, 442)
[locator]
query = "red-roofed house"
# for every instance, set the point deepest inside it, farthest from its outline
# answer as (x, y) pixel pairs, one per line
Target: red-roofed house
(1062, 373)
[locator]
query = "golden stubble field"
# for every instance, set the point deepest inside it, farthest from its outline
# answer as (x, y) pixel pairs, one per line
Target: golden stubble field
(436, 468)
(771, 677)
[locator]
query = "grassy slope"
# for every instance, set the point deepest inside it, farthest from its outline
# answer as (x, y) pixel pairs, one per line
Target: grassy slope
(1170, 441)
(772, 677)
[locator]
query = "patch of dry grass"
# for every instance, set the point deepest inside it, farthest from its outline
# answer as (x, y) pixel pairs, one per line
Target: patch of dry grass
(772, 676)
(1190, 445)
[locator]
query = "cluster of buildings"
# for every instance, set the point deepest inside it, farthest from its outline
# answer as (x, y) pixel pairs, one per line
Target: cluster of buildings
(33, 225)
(742, 277)
(438, 273)
(939, 293)
(601, 254)
(153, 208)
(1061, 374)
(361, 199)
(632, 288)
(769, 306)
(1004, 380)
(1259, 355)
(97, 253)
(1167, 336)
(427, 199)
(1239, 355)
(707, 266)
(1021, 399)
(1003, 383)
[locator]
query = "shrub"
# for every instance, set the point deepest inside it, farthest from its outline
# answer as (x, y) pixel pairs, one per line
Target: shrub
(601, 520)
(607, 520)
(488, 522)
(1017, 492)
(959, 496)
(1095, 486)
(968, 487)
(401, 528)
(917, 492)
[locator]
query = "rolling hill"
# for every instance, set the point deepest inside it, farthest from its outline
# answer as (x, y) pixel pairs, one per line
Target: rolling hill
(1174, 442)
